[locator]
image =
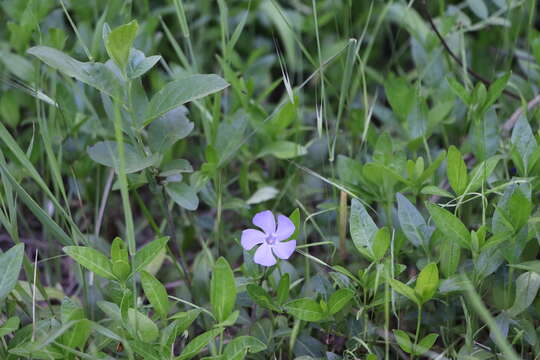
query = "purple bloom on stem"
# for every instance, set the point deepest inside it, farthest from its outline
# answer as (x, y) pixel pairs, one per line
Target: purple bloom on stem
(272, 238)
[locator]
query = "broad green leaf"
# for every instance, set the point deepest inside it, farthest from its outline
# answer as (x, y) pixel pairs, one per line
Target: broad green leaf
(533, 265)
(425, 344)
(156, 293)
(70, 310)
(452, 228)
(305, 309)
(450, 257)
(239, 344)
(400, 95)
(457, 171)
(139, 64)
(166, 130)
(10, 267)
(381, 243)
(283, 150)
(222, 290)
(97, 75)
(482, 172)
(412, 222)
(119, 42)
(459, 90)
(405, 290)
(141, 326)
(362, 229)
(427, 282)
(91, 259)
(77, 336)
(524, 141)
(496, 88)
(404, 341)
(181, 91)
(106, 153)
(197, 344)
(9, 326)
(527, 285)
(479, 8)
(339, 299)
(183, 194)
(261, 297)
(180, 323)
(120, 259)
(147, 253)
(262, 194)
(283, 288)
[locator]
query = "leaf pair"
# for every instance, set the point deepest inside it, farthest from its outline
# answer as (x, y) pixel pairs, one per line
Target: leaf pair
(426, 287)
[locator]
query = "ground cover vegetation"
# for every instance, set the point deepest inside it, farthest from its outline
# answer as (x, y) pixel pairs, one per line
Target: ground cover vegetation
(264, 179)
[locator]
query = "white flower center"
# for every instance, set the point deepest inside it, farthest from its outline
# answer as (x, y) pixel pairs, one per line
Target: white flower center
(271, 239)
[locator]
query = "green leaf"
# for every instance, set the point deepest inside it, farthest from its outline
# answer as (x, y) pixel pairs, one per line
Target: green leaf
(459, 90)
(262, 194)
(106, 153)
(457, 171)
(119, 42)
(479, 8)
(450, 225)
(147, 253)
(77, 336)
(496, 88)
(412, 222)
(283, 288)
(240, 344)
(427, 282)
(120, 259)
(166, 130)
(425, 344)
(10, 267)
(527, 286)
(180, 322)
(9, 326)
(381, 243)
(139, 64)
(156, 293)
(91, 259)
(222, 290)
(524, 141)
(405, 290)
(97, 75)
(482, 172)
(305, 309)
(197, 344)
(403, 340)
(339, 299)
(362, 229)
(450, 257)
(141, 326)
(181, 91)
(283, 150)
(183, 194)
(260, 297)
(533, 265)
(400, 95)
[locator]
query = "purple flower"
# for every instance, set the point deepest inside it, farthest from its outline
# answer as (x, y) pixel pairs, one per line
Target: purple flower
(271, 240)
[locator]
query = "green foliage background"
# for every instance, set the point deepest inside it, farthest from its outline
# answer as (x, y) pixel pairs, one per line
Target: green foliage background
(138, 139)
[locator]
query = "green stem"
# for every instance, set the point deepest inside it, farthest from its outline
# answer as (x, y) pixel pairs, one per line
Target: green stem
(417, 334)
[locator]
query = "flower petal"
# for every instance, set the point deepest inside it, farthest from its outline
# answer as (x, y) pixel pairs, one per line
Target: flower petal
(251, 237)
(263, 255)
(266, 221)
(284, 250)
(285, 228)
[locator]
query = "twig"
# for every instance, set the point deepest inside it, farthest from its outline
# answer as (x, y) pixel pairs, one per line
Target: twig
(424, 10)
(509, 124)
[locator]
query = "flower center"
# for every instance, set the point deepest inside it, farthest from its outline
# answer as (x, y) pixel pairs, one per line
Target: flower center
(271, 239)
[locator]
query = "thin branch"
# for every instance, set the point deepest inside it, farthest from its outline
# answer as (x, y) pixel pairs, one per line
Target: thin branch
(509, 124)
(425, 12)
